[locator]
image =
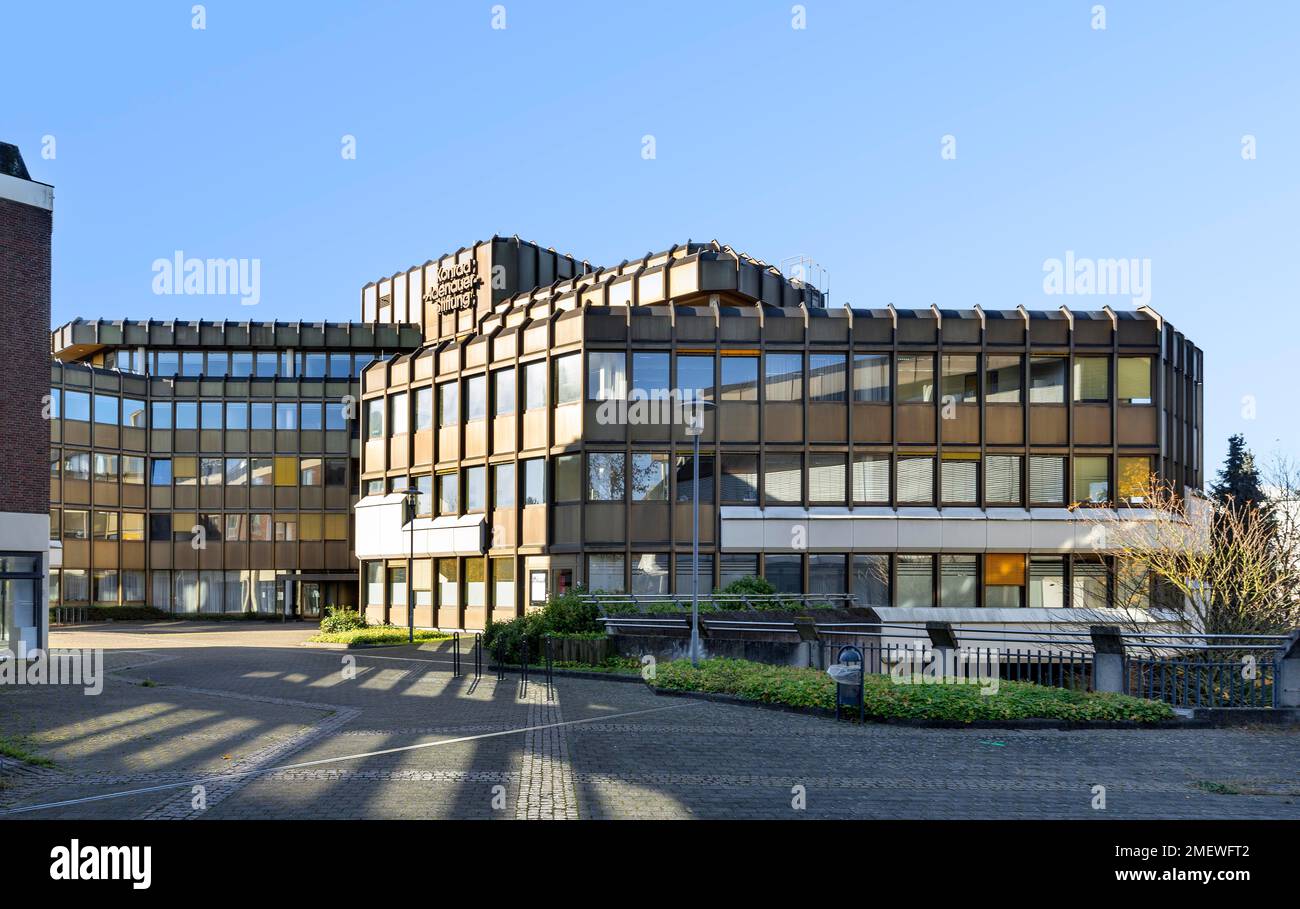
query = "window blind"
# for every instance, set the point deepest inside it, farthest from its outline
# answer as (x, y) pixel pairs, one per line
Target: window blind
(783, 479)
(1091, 379)
(826, 478)
(1047, 480)
(871, 478)
(916, 480)
(960, 480)
(1002, 479)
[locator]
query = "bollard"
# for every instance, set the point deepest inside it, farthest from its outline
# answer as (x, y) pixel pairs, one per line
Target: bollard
(550, 659)
(455, 654)
(1107, 658)
(478, 656)
(1286, 673)
(523, 670)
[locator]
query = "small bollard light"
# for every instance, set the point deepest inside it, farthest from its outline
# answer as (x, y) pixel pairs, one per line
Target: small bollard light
(849, 681)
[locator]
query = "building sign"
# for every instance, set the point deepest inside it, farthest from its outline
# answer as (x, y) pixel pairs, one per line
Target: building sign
(457, 287)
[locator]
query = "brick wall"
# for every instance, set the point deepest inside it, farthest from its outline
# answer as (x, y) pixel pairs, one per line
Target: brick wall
(24, 357)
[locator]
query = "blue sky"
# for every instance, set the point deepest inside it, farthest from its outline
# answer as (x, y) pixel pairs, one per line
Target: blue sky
(826, 141)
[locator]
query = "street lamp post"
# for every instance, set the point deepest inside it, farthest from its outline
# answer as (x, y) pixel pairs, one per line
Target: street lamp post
(695, 426)
(411, 503)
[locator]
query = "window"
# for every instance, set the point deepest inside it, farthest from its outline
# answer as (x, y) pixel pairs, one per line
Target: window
(535, 385)
(695, 376)
(827, 377)
(211, 471)
(783, 377)
(218, 364)
(606, 375)
(1134, 479)
(260, 528)
(336, 414)
(448, 493)
(649, 477)
(236, 528)
(685, 470)
(650, 573)
(286, 416)
(186, 471)
(76, 465)
(168, 363)
(1092, 379)
(448, 404)
(160, 528)
(1046, 480)
(1092, 479)
(133, 413)
(286, 528)
(1004, 576)
(397, 586)
(959, 479)
(261, 472)
(916, 481)
(568, 378)
(871, 580)
(398, 414)
(475, 489)
(375, 419)
(605, 476)
(870, 478)
(160, 415)
(503, 485)
(959, 581)
(605, 572)
(503, 392)
(740, 479)
(475, 583)
(448, 583)
(739, 378)
(826, 573)
(241, 365)
(685, 577)
(568, 478)
(826, 478)
(374, 587)
(871, 378)
(236, 415)
(313, 365)
(1046, 380)
(264, 415)
(1046, 582)
(915, 581)
(535, 481)
(76, 524)
(106, 409)
(286, 471)
(336, 472)
(311, 417)
(76, 405)
(915, 379)
(961, 379)
(1090, 584)
(310, 472)
(475, 399)
(132, 470)
(650, 374)
(503, 583)
(191, 363)
(1134, 380)
(1002, 479)
(783, 479)
(340, 365)
(1002, 379)
(104, 586)
(105, 468)
(104, 525)
(424, 500)
(784, 572)
(734, 566)
(210, 414)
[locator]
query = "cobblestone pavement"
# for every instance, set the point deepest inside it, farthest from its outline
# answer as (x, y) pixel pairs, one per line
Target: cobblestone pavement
(267, 728)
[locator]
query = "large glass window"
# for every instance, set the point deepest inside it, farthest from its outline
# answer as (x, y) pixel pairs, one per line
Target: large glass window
(1002, 479)
(1047, 380)
(106, 409)
(262, 472)
(448, 493)
(211, 471)
(503, 485)
(685, 471)
(826, 478)
(448, 583)
(783, 479)
(1002, 379)
(650, 573)
(133, 413)
(448, 404)
(915, 581)
(535, 385)
(871, 580)
(783, 377)
(605, 573)
(160, 414)
(695, 376)
(241, 365)
(236, 471)
(503, 583)
(650, 374)
(739, 378)
(1046, 581)
(475, 489)
(959, 581)
(535, 481)
(1090, 584)
(423, 409)
(503, 392)
(236, 415)
(568, 478)
(286, 416)
(827, 377)
(263, 415)
(1092, 379)
(105, 467)
(1046, 480)
(685, 572)
(210, 414)
(312, 418)
(605, 476)
(732, 566)
(1092, 479)
(826, 573)
(168, 363)
(568, 378)
(916, 480)
(915, 378)
(1134, 380)
(870, 478)
(606, 375)
(76, 405)
(397, 414)
(475, 399)
(961, 379)
(739, 479)
(160, 472)
(784, 572)
(649, 477)
(871, 378)
(959, 480)
(1134, 479)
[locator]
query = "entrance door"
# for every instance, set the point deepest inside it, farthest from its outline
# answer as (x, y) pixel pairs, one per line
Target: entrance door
(309, 600)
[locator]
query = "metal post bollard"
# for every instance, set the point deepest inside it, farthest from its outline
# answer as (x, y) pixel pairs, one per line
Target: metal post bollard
(523, 671)
(550, 659)
(478, 656)
(455, 654)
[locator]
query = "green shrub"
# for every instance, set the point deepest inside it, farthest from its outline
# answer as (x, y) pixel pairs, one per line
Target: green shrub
(567, 614)
(798, 687)
(377, 634)
(750, 586)
(341, 618)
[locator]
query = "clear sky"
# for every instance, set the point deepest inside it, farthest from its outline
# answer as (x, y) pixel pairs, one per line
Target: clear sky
(828, 140)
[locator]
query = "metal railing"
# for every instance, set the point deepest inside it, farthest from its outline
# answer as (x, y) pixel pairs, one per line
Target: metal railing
(713, 602)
